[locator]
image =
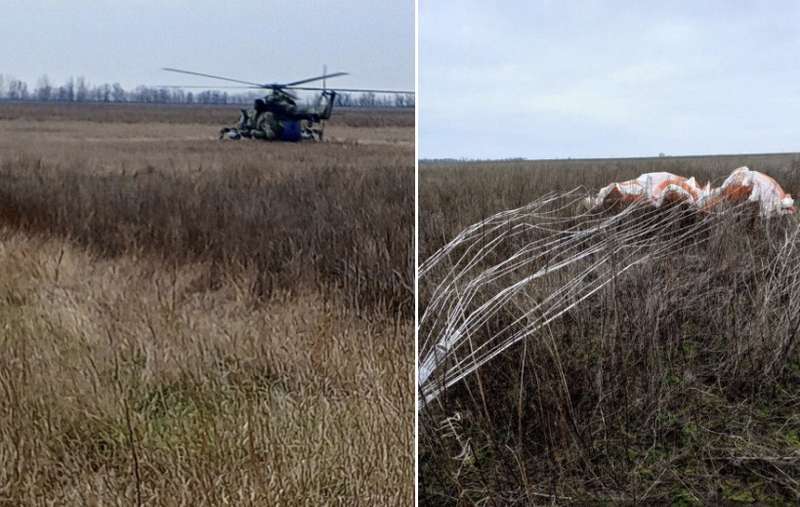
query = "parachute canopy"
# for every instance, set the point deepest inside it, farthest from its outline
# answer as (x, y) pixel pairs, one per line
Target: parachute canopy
(661, 188)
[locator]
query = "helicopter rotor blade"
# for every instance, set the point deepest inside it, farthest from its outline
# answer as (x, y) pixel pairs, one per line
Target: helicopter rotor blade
(278, 86)
(357, 90)
(213, 87)
(285, 89)
(192, 73)
(318, 78)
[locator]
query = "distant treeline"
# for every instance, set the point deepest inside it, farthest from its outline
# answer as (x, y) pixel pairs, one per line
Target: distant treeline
(80, 90)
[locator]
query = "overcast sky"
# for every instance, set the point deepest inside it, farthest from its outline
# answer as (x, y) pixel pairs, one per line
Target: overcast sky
(128, 41)
(547, 79)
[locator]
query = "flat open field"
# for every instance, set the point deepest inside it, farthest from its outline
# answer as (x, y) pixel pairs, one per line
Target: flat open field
(194, 322)
(676, 382)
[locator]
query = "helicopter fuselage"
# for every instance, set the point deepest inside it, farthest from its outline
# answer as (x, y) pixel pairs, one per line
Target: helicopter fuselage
(298, 124)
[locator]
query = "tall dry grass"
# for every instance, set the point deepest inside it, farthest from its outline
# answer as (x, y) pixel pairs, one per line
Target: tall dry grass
(330, 224)
(676, 384)
(188, 322)
(126, 380)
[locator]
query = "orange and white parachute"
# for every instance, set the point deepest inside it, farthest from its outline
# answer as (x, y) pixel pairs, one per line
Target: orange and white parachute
(657, 189)
(752, 186)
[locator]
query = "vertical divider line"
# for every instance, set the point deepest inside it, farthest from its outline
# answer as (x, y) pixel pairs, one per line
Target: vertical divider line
(417, 103)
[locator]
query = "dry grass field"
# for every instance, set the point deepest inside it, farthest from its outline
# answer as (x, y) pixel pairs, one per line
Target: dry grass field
(677, 384)
(194, 322)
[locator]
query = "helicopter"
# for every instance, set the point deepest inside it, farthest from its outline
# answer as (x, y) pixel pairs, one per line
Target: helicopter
(277, 116)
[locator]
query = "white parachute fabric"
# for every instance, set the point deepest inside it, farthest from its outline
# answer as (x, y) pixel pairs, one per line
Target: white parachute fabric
(655, 189)
(758, 188)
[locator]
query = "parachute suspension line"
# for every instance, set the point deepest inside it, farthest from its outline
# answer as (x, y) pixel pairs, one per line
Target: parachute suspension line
(527, 267)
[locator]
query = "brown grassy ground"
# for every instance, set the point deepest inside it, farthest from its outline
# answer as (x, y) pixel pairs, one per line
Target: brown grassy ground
(182, 114)
(678, 384)
(188, 322)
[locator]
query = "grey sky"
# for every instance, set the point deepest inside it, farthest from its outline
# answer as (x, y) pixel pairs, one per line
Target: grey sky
(129, 41)
(550, 79)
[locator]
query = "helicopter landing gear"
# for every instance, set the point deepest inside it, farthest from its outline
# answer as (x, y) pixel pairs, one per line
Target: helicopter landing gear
(230, 133)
